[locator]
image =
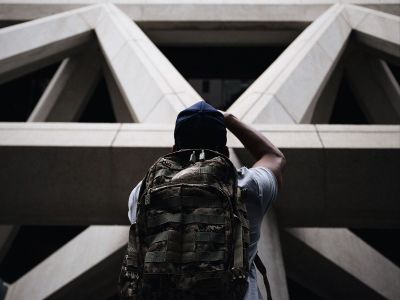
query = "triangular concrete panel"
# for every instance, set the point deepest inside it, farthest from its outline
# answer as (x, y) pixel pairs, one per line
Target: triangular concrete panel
(294, 81)
(291, 86)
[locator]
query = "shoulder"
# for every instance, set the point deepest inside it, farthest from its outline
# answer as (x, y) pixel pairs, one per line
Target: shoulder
(259, 181)
(132, 203)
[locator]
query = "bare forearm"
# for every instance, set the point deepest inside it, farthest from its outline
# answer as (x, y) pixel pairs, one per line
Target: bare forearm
(264, 152)
(254, 141)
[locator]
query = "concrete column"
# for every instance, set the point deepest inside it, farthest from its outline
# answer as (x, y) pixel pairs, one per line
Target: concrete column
(375, 87)
(336, 264)
(269, 250)
(70, 89)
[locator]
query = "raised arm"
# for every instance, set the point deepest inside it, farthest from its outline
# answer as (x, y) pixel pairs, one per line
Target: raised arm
(264, 152)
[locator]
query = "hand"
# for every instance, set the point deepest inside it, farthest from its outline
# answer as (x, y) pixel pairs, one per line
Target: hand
(227, 117)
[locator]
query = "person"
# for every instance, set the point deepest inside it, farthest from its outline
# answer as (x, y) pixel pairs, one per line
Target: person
(203, 126)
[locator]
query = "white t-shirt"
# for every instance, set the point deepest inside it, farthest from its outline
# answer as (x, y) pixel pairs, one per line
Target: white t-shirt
(262, 189)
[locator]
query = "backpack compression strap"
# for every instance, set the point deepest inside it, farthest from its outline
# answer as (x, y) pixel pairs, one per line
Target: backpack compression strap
(260, 266)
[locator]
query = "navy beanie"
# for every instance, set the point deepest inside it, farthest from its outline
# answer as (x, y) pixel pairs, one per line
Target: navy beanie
(200, 126)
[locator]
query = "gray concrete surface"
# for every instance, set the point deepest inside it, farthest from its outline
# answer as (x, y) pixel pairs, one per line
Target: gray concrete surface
(59, 162)
(336, 264)
(70, 89)
(25, 50)
(141, 71)
(288, 90)
(377, 30)
(270, 252)
(62, 188)
(156, 10)
(374, 85)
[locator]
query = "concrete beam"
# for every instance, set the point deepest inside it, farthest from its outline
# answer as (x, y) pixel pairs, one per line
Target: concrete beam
(94, 256)
(153, 90)
(32, 45)
(288, 90)
(377, 30)
(295, 10)
(70, 89)
(336, 264)
(60, 159)
(375, 87)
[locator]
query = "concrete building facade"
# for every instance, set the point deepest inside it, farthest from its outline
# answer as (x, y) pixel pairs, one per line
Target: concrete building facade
(57, 170)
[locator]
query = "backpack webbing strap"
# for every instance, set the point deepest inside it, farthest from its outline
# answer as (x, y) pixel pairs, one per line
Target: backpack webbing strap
(185, 218)
(176, 202)
(263, 270)
(186, 257)
(132, 249)
(215, 237)
(238, 249)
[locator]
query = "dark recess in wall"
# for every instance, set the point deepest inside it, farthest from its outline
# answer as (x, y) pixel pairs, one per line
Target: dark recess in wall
(395, 70)
(384, 241)
(19, 96)
(243, 64)
(222, 62)
(298, 292)
(346, 109)
(99, 107)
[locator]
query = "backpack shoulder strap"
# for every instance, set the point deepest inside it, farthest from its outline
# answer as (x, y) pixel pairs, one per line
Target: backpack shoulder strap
(263, 270)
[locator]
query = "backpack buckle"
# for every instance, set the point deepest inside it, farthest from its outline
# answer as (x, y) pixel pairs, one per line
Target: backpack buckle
(193, 157)
(147, 199)
(237, 274)
(202, 156)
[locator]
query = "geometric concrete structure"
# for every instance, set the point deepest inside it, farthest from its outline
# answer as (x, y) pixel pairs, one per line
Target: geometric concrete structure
(63, 173)
(69, 91)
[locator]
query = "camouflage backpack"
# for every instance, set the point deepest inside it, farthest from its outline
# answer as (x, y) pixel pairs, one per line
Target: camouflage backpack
(192, 232)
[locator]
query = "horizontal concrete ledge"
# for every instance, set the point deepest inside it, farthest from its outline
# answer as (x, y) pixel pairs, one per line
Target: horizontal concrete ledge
(161, 135)
(234, 10)
(63, 173)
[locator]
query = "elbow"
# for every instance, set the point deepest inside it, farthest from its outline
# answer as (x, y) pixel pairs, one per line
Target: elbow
(281, 162)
